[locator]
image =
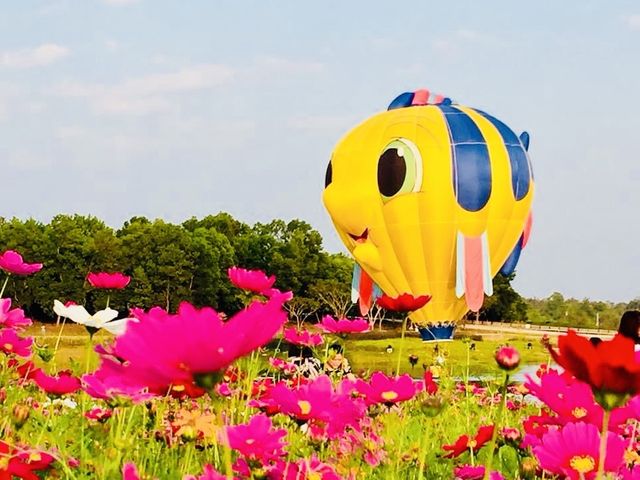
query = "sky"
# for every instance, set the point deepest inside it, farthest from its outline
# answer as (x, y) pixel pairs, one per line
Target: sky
(172, 109)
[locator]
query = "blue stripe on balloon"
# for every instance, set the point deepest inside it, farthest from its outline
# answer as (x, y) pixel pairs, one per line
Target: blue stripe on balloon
(520, 169)
(471, 161)
(512, 261)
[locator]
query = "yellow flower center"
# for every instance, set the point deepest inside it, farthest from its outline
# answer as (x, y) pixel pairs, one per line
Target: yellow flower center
(583, 464)
(178, 388)
(8, 347)
(389, 396)
(579, 412)
(35, 457)
(631, 457)
(4, 463)
(305, 407)
(314, 476)
(473, 444)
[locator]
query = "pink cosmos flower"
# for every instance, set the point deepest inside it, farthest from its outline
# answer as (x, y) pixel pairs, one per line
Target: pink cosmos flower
(329, 410)
(469, 472)
(507, 358)
(287, 368)
(12, 262)
(12, 343)
(60, 384)
(99, 414)
(185, 353)
(571, 399)
(107, 383)
(130, 471)
(309, 469)
(257, 440)
(252, 280)
(331, 325)
(573, 451)
(208, 473)
(12, 318)
(302, 337)
(387, 390)
(116, 281)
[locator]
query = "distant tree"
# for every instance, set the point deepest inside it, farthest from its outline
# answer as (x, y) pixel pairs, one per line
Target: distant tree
(505, 305)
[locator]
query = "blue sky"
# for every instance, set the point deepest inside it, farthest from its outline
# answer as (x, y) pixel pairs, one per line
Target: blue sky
(169, 109)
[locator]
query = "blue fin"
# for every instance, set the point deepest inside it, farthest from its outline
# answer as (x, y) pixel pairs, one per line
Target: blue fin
(401, 101)
(512, 260)
(524, 138)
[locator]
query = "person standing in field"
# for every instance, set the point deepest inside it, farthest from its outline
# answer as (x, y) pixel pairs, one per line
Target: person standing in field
(630, 326)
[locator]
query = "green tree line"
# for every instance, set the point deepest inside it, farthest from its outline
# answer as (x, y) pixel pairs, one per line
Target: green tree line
(169, 263)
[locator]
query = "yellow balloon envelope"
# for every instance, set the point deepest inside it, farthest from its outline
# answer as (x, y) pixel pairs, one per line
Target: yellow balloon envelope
(431, 198)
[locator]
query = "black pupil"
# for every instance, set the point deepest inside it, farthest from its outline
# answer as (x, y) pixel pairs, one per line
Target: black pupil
(392, 170)
(328, 176)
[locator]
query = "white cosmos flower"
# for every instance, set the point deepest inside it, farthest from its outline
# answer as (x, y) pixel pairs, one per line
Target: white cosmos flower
(100, 319)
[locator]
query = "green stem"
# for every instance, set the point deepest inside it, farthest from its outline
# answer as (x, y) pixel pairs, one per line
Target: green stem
(603, 444)
(108, 296)
(4, 285)
(400, 349)
(496, 427)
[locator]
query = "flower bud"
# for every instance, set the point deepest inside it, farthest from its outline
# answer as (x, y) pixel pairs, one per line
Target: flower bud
(507, 358)
(20, 415)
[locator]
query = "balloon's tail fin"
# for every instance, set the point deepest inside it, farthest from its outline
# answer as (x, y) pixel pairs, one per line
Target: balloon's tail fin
(473, 271)
(512, 261)
(364, 291)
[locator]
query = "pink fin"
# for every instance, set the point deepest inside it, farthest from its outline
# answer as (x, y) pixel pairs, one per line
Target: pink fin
(365, 293)
(420, 97)
(473, 273)
(527, 229)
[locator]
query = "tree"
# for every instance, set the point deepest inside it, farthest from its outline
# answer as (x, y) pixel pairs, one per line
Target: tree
(505, 305)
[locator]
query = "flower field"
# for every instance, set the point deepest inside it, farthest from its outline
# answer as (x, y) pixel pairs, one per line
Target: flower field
(197, 394)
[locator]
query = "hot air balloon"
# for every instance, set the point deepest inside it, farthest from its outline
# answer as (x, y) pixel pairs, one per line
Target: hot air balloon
(431, 198)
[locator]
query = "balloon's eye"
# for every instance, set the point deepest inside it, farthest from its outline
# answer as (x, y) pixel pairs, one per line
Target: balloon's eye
(328, 177)
(399, 169)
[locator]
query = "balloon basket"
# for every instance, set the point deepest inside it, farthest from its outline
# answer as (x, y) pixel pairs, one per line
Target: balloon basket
(437, 333)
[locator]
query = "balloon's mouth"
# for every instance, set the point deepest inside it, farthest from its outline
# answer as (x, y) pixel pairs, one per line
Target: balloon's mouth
(362, 237)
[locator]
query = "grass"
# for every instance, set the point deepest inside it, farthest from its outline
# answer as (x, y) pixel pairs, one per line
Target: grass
(365, 352)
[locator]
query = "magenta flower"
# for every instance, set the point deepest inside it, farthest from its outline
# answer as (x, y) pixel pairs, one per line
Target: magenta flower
(12, 343)
(130, 472)
(507, 358)
(573, 451)
(108, 383)
(99, 414)
(252, 280)
(307, 469)
(302, 337)
(257, 440)
(331, 325)
(469, 472)
(329, 411)
(387, 390)
(185, 353)
(571, 399)
(12, 318)
(116, 281)
(12, 262)
(60, 384)
(208, 473)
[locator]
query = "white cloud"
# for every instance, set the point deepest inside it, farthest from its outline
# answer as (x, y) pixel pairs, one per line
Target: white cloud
(44, 54)
(633, 21)
(148, 93)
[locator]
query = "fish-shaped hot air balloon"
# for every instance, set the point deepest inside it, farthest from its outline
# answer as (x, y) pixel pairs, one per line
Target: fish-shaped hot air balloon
(431, 198)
